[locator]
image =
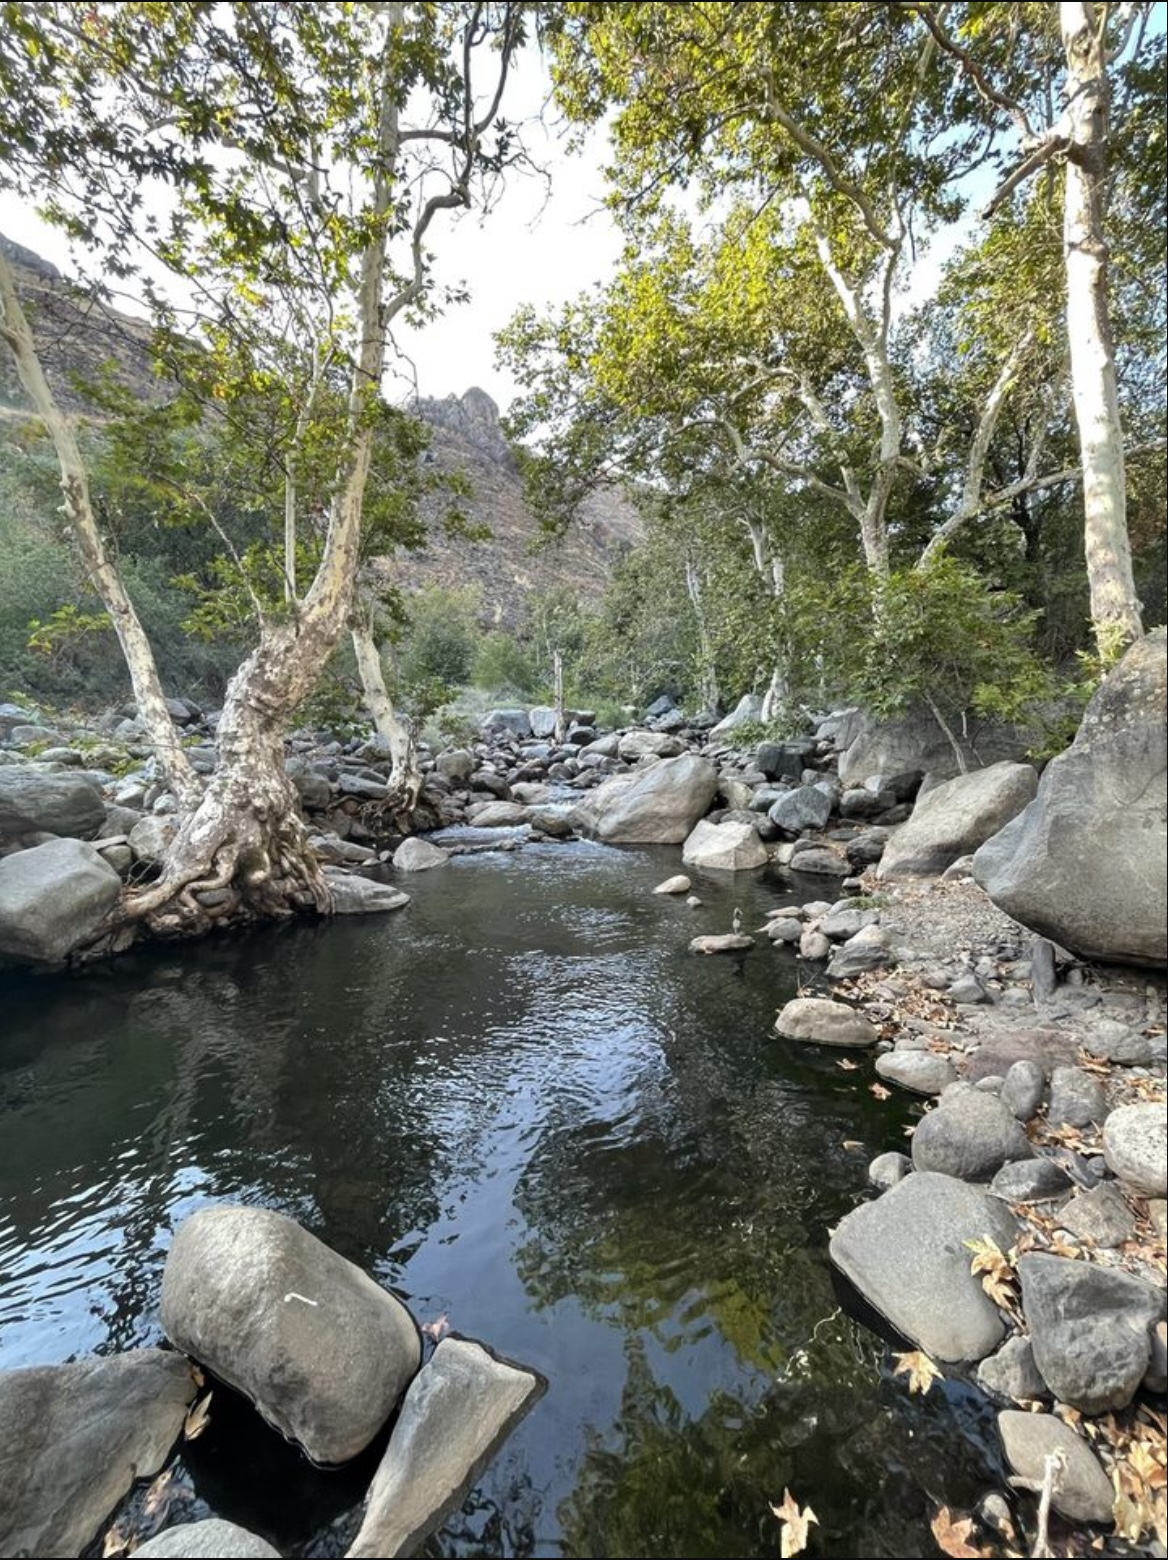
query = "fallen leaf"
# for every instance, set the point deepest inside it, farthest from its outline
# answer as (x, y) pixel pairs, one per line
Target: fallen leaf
(159, 1493)
(952, 1534)
(116, 1543)
(919, 1369)
(436, 1329)
(879, 1091)
(997, 1273)
(852, 1143)
(795, 1525)
(197, 1376)
(847, 1065)
(198, 1418)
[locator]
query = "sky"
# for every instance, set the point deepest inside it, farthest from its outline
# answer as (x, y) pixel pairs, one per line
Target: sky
(546, 240)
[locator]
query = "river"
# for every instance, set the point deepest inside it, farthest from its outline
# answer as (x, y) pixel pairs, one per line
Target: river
(522, 1105)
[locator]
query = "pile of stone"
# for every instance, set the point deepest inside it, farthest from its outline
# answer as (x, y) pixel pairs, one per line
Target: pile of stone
(327, 1357)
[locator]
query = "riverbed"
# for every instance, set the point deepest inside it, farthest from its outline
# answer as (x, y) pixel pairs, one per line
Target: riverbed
(526, 1108)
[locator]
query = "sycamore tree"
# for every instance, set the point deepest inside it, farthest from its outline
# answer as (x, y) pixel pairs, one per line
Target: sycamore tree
(272, 174)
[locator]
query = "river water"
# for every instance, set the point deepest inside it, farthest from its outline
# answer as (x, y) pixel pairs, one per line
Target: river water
(521, 1104)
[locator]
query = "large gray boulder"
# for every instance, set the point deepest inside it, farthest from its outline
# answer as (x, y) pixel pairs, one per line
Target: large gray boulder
(458, 1410)
(74, 1438)
(806, 807)
(35, 802)
(1091, 1328)
(724, 847)
(1085, 863)
(746, 712)
(212, 1539)
(914, 742)
(658, 806)
(955, 817)
(52, 898)
(906, 1253)
(418, 855)
(970, 1135)
(654, 744)
(322, 1351)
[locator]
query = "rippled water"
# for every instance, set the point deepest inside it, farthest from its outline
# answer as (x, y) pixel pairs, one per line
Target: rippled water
(522, 1103)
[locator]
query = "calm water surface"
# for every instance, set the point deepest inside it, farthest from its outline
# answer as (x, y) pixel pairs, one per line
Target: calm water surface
(523, 1104)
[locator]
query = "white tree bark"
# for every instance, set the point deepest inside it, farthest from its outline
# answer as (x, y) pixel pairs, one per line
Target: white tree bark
(99, 567)
(394, 730)
(1115, 611)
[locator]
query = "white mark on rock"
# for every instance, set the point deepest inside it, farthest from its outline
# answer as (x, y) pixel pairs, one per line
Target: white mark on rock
(304, 1300)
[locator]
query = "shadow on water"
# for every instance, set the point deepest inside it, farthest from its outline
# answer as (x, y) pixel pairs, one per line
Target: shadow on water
(522, 1103)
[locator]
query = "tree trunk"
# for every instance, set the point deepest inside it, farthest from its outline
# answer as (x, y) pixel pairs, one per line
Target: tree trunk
(707, 671)
(99, 568)
(1115, 611)
(394, 730)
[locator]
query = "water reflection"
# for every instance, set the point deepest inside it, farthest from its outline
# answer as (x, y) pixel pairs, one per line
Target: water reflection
(523, 1103)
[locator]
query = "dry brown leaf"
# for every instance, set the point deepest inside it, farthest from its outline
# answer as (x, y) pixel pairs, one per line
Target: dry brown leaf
(159, 1493)
(852, 1143)
(795, 1524)
(117, 1541)
(879, 1091)
(198, 1418)
(436, 1329)
(197, 1377)
(919, 1369)
(847, 1065)
(997, 1273)
(952, 1535)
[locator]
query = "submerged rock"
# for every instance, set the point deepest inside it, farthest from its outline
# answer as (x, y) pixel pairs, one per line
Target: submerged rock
(74, 1438)
(321, 1350)
(361, 896)
(723, 942)
(906, 1253)
(457, 1411)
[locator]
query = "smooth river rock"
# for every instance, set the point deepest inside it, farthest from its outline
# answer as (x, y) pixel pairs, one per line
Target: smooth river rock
(921, 1071)
(824, 1022)
(457, 1412)
(322, 1351)
(354, 895)
(1083, 1493)
(956, 817)
(213, 1539)
(906, 1254)
(1135, 1145)
(74, 1438)
(52, 898)
(35, 802)
(657, 806)
(418, 855)
(970, 1135)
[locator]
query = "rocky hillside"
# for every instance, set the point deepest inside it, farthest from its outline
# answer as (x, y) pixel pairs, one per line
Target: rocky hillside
(81, 339)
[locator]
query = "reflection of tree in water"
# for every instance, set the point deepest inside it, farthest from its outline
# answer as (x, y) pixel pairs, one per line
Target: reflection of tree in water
(872, 1462)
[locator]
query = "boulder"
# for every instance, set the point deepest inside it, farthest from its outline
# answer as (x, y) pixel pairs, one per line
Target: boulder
(784, 929)
(1135, 1145)
(1022, 1088)
(914, 742)
(513, 723)
(74, 1438)
(970, 1136)
(1012, 1373)
(418, 855)
(655, 744)
(656, 807)
(869, 949)
(210, 1539)
(824, 1022)
(1083, 1492)
(746, 712)
(322, 1351)
(1100, 1216)
(52, 898)
(923, 1072)
(888, 1169)
(806, 807)
(1076, 1099)
(724, 847)
(33, 801)
(354, 895)
(1091, 1328)
(820, 861)
(457, 765)
(498, 815)
(459, 1409)
(1031, 1180)
(906, 1253)
(152, 837)
(1084, 864)
(955, 817)
(782, 760)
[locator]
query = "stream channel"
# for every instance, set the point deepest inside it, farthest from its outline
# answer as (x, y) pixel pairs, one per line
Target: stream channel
(521, 1104)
